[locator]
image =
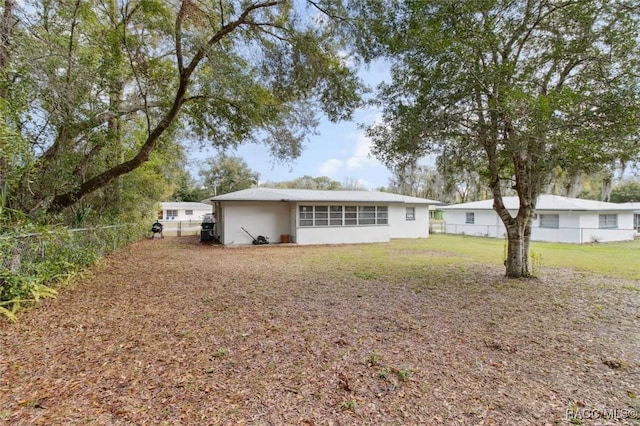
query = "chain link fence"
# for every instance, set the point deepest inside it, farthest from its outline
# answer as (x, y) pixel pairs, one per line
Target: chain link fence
(28, 259)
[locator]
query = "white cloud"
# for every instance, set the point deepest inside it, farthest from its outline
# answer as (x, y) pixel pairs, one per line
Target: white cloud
(362, 154)
(331, 167)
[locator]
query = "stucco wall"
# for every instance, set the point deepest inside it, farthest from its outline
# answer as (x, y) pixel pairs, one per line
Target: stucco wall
(269, 219)
(486, 223)
(403, 228)
(573, 227)
(343, 234)
(196, 216)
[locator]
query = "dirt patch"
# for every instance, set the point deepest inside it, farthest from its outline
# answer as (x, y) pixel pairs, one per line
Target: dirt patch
(177, 332)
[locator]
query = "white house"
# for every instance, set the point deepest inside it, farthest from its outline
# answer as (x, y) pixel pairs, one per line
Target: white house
(182, 211)
(319, 217)
(557, 219)
(636, 215)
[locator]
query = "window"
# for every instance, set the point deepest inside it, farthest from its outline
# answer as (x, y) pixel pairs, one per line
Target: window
(305, 215)
(335, 215)
(350, 215)
(410, 213)
(470, 218)
(188, 212)
(171, 214)
(382, 215)
(366, 215)
(319, 216)
(608, 220)
(549, 221)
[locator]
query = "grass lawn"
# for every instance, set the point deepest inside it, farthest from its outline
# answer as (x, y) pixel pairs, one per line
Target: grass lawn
(611, 259)
(424, 332)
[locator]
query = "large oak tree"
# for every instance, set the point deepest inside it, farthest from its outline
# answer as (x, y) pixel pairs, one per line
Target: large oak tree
(524, 86)
(99, 85)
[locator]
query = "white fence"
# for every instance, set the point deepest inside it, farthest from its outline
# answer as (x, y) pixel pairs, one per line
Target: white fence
(180, 228)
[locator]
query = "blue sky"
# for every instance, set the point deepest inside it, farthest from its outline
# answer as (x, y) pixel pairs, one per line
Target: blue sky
(339, 150)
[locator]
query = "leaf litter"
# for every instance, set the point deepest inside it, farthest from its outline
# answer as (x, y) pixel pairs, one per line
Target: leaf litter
(175, 332)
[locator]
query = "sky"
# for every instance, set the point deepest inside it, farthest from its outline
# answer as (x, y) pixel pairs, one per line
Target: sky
(339, 150)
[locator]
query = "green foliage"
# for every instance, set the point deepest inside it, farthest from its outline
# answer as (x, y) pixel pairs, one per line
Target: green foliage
(626, 192)
(471, 78)
(93, 91)
(33, 260)
(306, 182)
(224, 174)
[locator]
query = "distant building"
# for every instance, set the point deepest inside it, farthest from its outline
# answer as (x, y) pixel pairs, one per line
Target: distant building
(181, 211)
(557, 219)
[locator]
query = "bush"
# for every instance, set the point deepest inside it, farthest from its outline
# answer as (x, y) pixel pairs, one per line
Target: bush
(33, 260)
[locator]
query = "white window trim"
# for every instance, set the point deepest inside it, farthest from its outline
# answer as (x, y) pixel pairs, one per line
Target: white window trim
(543, 216)
(468, 221)
(410, 213)
(606, 217)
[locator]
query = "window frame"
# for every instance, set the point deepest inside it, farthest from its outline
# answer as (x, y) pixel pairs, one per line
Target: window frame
(168, 214)
(544, 217)
(340, 215)
(469, 218)
(410, 213)
(604, 224)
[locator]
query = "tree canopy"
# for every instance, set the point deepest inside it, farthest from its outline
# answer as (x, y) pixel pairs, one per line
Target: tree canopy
(91, 90)
(519, 87)
(225, 173)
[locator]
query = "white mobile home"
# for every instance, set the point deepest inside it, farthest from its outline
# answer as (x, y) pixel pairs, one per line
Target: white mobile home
(319, 217)
(557, 219)
(183, 211)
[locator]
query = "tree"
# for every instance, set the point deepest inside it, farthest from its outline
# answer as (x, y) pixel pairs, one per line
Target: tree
(523, 86)
(353, 184)
(188, 189)
(306, 182)
(626, 192)
(224, 174)
(108, 82)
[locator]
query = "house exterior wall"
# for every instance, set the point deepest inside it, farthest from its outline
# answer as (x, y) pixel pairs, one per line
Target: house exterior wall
(403, 228)
(305, 235)
(182, 214)
(486, 223)
(343, 235)
(273, 219)
(269, 219)
(573, 226)
(591, 231)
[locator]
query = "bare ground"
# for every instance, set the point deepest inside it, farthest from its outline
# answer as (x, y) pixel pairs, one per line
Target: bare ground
(175, 332)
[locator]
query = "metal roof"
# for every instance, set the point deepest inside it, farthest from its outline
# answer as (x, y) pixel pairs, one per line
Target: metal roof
(546, 203)
(184, 205)
(312, 195)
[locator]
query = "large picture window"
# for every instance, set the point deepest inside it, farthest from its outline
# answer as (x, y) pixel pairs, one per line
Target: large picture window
(608, 220)
(319, 216)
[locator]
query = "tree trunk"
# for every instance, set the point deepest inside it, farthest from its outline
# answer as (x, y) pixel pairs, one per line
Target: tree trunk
(515, 262)
(6, 28)
(574, 185)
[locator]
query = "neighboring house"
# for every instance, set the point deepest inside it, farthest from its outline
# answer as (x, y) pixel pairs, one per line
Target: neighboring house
(557, 219)
(319, 217)
(636, 215)
(182, 211)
